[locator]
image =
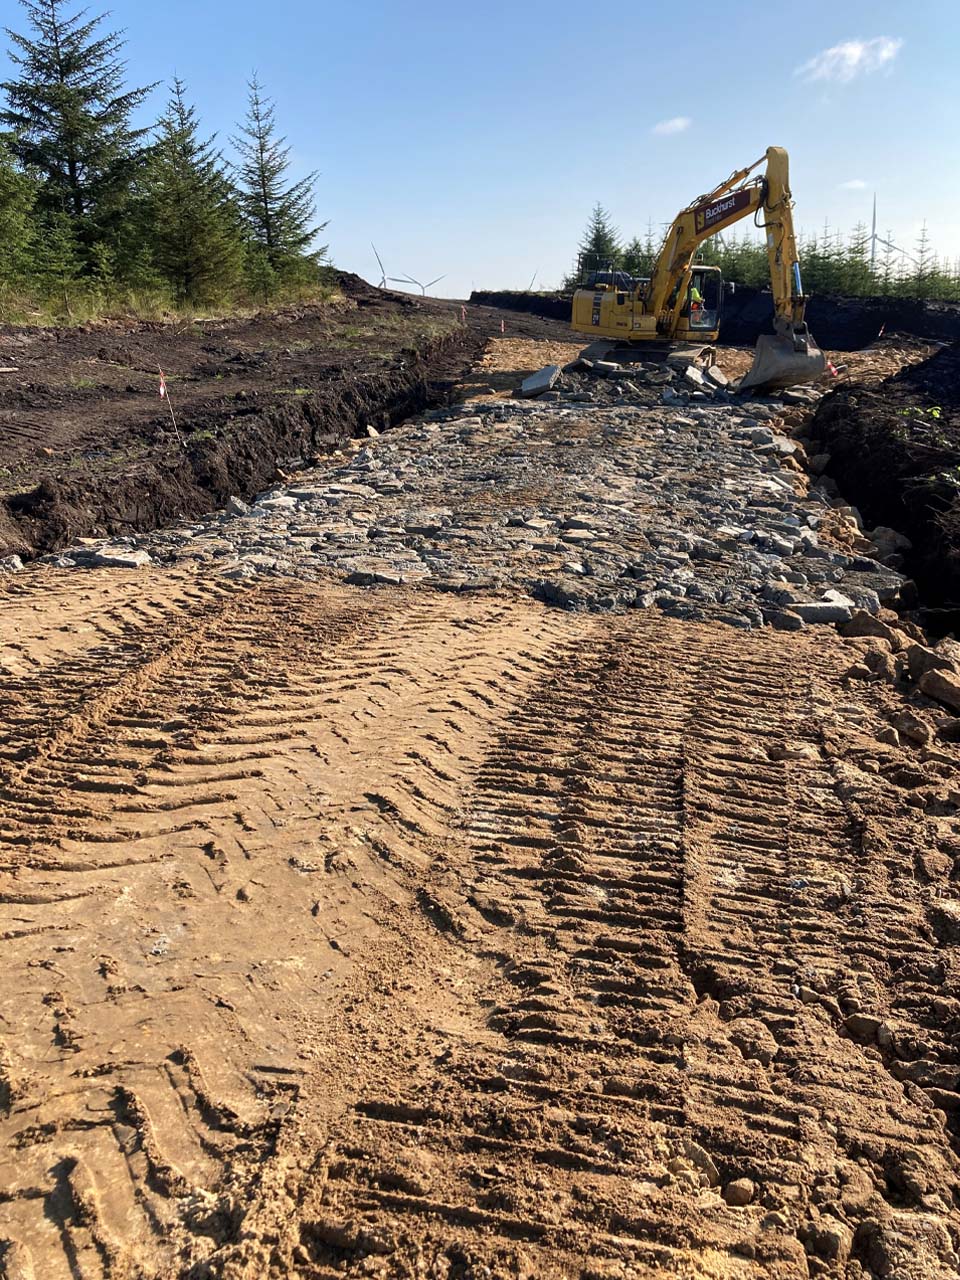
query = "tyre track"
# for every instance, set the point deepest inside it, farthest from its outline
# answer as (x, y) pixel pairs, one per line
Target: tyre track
(383, 934)
(638, 838)
(255, 759)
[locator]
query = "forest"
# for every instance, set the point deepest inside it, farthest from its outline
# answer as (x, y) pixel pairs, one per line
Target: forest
(832, 262)
(98, 212)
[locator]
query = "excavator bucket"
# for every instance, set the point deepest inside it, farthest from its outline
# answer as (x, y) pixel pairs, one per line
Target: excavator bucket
(783, 361)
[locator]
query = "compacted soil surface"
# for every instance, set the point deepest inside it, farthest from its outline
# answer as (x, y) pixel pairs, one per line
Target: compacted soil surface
(357, 921)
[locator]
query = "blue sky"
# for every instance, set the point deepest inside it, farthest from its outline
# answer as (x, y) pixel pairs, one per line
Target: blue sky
(473, 140)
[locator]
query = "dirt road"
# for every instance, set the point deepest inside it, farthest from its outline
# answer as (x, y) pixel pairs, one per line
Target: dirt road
(413, 933)
(396, 934)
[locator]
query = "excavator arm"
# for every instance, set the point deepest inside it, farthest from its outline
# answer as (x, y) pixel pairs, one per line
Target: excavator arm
(790, 355)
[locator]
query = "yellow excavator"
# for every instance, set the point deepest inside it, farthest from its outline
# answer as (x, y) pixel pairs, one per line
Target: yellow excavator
(682, 300)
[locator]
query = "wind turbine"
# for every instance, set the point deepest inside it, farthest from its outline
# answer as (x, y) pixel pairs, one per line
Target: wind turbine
(383, 270)
(887, 244)
(420, 285)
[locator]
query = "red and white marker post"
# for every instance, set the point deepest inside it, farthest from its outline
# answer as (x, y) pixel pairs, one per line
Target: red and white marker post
(165, 395)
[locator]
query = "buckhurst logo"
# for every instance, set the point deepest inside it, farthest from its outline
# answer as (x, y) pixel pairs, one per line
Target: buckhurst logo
(705, 218)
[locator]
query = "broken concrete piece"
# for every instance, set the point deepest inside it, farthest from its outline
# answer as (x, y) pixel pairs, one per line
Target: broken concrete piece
(540, 382)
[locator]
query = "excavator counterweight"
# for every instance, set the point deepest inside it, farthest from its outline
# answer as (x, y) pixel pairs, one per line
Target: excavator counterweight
(681, 301)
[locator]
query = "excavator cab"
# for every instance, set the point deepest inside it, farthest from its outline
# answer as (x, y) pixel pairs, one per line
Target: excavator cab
(701, 311)
(699, 316)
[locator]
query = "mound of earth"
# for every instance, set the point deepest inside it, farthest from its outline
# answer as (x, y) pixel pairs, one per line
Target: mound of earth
(894, 446)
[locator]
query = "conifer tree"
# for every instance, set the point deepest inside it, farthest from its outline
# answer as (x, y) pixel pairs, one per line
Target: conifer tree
(599, 249)
(196, 230)
(56, 258)
(17, 198)
(887, 267)
(279, 214)
(855, 277)
(636, 260)
(920, 281)
(71, 117)
(600, 246)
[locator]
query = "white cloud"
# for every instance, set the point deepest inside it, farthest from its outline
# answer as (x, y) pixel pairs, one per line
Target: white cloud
(678, 124)
(844, 62)
(854, 184)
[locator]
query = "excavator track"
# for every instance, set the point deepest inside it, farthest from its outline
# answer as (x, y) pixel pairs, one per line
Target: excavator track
(411, 935)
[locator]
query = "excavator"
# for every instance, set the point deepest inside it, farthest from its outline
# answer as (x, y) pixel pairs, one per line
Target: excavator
(682, 299)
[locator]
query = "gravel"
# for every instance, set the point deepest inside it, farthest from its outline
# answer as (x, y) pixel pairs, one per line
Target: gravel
(696, 508)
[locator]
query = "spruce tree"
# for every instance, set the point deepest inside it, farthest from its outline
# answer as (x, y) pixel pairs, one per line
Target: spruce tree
(279, 214)
(636, 260)
(856, 278)
(56, 258)
(71, 116)
(196, 232)
(919, 284)
(600, 247)
(887, 268)
(17, 198)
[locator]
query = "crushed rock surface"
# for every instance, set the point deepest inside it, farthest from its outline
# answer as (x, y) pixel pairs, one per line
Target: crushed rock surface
(698, 509)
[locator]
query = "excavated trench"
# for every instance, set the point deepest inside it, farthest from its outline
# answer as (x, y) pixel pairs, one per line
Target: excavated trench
(894, 451)
(230, 453)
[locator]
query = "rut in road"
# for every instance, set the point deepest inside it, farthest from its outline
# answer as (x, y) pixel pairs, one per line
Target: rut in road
(388, 933)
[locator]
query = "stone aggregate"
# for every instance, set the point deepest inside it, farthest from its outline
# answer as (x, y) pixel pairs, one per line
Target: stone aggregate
(696, 508)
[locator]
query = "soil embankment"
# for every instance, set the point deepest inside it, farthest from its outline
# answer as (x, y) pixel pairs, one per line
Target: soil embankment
(840, 324)
(87, 447)
(894, 450)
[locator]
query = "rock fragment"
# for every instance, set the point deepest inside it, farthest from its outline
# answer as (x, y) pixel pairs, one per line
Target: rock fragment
(740, 1192)
(920, 660)
(863, 624)
(119, 559)
(943, 687)
(540, 382)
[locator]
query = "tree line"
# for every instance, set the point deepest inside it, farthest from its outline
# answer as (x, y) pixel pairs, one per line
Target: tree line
(96, 211)
(830, 262)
